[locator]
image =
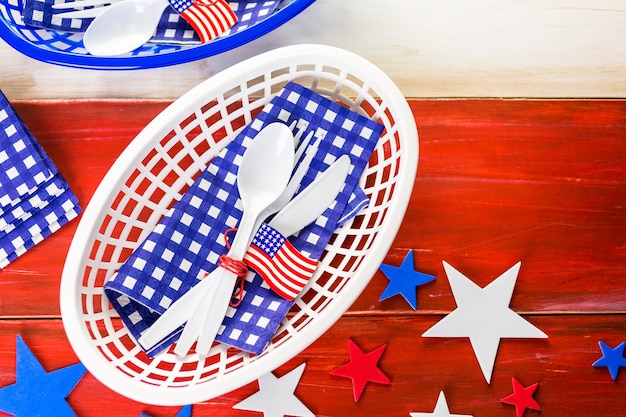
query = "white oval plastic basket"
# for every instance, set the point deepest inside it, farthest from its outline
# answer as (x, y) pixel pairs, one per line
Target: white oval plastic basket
(165, 158)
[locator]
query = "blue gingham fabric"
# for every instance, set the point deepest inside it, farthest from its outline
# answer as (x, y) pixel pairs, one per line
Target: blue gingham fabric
(39, 13)
(171, 28)
(23, 168)
(188, 241)
(26, 207)
(35, 200)
(40, 225)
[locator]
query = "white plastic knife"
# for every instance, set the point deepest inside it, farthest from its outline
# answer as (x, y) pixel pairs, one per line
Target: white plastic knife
(303, 210)
(307, 206)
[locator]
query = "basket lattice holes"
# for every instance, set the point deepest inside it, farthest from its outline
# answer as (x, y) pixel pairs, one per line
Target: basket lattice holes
(170, 168)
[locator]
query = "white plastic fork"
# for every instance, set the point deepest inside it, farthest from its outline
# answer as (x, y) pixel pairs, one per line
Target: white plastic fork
(307, 149)
(208, 332)
(178, 313)
(197, 327)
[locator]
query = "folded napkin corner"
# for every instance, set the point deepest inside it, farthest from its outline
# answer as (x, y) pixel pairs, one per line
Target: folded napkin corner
(35, 200)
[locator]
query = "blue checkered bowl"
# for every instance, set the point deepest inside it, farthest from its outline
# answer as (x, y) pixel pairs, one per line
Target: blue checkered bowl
(162, 162)
(64, 48)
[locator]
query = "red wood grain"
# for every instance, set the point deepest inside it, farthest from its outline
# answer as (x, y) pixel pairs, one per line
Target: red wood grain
(83, 139)
(418, 368)
(499, 181)
(539, 182)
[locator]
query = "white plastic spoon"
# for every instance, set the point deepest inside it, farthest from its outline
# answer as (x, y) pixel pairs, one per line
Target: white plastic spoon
(123, 27)
(304, 209)
(196, 325)
(253, 181)
(263, 174)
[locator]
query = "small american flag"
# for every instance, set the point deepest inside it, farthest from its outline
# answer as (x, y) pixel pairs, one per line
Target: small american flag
(284, 269)
(209, 18)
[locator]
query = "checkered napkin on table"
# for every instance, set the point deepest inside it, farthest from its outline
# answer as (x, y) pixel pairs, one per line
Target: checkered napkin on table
(188, 241)
(35, 200)
(172, 28)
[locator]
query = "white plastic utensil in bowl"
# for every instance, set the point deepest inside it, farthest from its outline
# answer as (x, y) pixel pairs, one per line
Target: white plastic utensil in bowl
(63, 48)
(123, 27)
(305, 208)
(262, 177)
(167, 155)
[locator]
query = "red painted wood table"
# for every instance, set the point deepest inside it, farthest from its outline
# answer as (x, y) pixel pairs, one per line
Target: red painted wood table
(499, 181)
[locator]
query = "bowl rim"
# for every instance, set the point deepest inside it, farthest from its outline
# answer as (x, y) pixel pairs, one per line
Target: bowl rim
(180, 56)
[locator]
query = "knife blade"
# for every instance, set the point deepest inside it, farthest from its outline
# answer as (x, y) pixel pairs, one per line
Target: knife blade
(311, 202)
(302, 210)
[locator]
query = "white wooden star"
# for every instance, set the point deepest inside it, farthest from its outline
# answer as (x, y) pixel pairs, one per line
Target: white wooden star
(276, 396)
(441, 409)
(483, 315)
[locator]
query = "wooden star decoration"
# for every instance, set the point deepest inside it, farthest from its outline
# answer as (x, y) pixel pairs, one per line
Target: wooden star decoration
(522, 398)
(612, 358)
(483, 315)
(362, 368)
(37, 392)
(441, 409)
(276, 396)
(404, 280)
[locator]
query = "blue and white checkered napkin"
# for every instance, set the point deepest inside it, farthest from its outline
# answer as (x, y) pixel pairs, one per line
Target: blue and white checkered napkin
(171, 29)
(35, 200)
(188, 241)
(39, 13)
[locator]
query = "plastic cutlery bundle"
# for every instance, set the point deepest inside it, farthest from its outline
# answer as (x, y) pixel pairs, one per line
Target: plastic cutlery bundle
(187, 244)
(283, 268)
(261, 179)
(187, 308)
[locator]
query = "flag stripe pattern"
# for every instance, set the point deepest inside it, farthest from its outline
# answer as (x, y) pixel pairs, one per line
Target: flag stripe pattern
(285, 270)
(209, 18)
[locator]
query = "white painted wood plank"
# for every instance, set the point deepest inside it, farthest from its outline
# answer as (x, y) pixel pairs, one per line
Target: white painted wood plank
(430, 48)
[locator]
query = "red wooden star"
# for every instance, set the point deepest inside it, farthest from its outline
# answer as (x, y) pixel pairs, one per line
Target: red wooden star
(362, 368)
(522, 398)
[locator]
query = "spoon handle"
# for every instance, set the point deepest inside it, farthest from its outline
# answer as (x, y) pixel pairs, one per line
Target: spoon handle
(244, 234)
(195, 306)
(206, 315)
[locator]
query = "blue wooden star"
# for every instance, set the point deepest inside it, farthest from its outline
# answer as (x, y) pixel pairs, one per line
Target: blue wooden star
(36, 392)
(404, 280)
(612, 358)
(184, 412)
